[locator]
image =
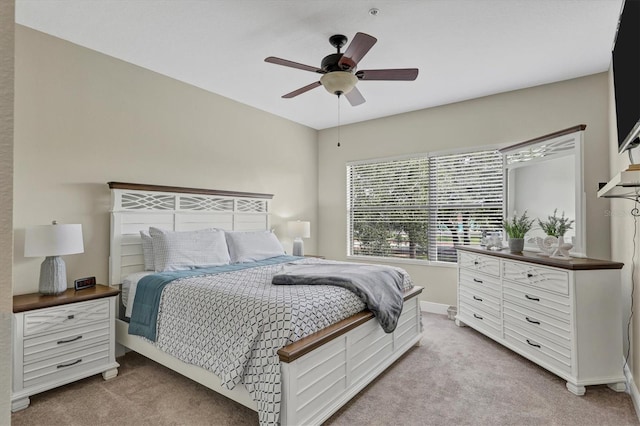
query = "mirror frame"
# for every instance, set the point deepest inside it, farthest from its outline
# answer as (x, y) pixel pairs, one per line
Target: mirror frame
(566, 142)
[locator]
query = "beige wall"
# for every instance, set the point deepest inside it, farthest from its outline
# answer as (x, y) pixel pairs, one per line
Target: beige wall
(501, 119)
(83, 119)
(622, 250)
(6, 201)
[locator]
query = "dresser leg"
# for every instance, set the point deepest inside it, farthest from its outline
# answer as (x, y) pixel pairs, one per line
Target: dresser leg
(618, 387)
(575, 389)
(110, 374)
(20, 404)
(460, 323)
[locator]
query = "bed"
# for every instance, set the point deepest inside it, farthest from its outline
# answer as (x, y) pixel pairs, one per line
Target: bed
(318, 373)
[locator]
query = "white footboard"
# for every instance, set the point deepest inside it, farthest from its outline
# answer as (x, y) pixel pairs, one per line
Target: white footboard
(321, 372)
(317, 384)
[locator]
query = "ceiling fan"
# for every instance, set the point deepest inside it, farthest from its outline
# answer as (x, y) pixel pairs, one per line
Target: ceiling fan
(339, 70)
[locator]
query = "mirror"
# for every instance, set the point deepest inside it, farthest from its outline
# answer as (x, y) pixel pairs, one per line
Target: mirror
(543, 175)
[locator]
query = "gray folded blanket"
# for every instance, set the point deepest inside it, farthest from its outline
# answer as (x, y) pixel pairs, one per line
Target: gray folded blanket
(379, 287)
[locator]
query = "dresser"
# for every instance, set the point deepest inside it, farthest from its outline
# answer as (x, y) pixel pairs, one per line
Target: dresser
(564, 315)
(60, 339)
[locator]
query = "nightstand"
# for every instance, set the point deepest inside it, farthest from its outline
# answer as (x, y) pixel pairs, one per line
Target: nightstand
(60, 339)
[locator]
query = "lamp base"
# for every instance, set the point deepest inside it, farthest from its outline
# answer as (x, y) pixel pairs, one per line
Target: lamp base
(298, 247)
(53, 276)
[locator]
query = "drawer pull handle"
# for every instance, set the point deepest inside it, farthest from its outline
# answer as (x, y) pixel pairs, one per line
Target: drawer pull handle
(529, 275)
(532, 298)
(71, 316)
(533, 344)
(477, 280)
(477, 316)
(477, 298)
(532, 321)
(475, 262)
(70, 340)
(77, 361)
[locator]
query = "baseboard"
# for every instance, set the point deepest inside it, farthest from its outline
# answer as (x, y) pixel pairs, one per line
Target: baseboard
(433, 308)
(633, 390)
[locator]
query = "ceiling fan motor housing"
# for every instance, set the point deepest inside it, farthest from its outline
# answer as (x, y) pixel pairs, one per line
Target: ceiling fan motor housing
(330, 63)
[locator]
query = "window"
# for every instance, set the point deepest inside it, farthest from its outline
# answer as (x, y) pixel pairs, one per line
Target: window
(419, 207)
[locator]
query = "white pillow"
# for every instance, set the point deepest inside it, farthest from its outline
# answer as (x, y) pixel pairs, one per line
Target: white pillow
(250, 246)
(177, 250)
(147, 251)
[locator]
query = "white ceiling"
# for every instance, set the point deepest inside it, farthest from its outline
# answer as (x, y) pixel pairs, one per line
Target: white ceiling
(464, 49)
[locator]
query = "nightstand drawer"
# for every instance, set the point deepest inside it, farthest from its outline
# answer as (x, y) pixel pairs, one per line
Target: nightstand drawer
(50, 345)
(66, 365)
(65, 316)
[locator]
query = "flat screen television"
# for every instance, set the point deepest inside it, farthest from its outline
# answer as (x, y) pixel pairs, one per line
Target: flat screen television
(626, 75)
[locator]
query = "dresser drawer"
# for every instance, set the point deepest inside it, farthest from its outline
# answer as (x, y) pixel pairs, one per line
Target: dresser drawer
(537, 300)
(65, 316)
(479, 319)
(537, 276)
(488, 304)
(480, 281)
(53, 344)
(539, 348)
(540, 324)
(480, 263)
(70, 364)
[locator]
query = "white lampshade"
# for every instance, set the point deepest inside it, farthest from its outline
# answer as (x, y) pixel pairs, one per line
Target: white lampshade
(299, 229)
(53, 240)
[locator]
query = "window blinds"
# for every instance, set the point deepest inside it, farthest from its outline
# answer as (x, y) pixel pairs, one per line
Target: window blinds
(466, 193)
(420, 207)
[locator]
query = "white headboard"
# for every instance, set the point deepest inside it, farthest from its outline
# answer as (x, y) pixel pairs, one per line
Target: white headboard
(136, 207)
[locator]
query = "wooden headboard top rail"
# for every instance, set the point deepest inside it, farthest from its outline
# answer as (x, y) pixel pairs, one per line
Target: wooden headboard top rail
(185, 190)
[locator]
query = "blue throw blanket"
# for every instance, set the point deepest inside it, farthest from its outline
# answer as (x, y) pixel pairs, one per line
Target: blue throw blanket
(379, 287)
(144, 315)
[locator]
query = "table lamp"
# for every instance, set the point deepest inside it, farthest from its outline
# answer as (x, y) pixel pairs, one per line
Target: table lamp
(53, 241)
(299, 230)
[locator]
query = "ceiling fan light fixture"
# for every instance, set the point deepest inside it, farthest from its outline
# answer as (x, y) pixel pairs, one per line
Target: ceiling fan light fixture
(339, 82)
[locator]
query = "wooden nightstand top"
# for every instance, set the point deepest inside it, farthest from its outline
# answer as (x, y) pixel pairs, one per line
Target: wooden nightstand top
(28, 302)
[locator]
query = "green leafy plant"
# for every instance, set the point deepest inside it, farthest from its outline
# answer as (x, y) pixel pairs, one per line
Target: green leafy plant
(517, 227)
(556, 226)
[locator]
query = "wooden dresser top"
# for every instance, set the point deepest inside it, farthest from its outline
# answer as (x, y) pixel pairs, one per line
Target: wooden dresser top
(574, 263)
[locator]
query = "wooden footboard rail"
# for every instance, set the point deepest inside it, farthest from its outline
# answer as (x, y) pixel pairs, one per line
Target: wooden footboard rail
(323, 371)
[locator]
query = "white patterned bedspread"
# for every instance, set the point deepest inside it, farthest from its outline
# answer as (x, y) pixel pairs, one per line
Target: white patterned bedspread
(233, 324)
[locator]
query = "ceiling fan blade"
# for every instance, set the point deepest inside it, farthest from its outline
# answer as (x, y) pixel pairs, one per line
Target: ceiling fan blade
(406, 74)
(359, 47)
(354, 97)
(302, 90)
(286, 63)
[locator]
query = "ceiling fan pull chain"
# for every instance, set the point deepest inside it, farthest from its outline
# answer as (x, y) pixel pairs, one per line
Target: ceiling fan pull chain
(338, 119)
